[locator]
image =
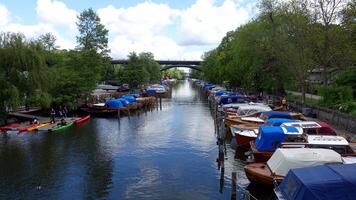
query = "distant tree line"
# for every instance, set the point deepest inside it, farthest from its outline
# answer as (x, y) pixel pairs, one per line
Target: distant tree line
(277, 50)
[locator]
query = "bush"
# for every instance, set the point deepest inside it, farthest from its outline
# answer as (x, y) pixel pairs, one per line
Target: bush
(334, 95)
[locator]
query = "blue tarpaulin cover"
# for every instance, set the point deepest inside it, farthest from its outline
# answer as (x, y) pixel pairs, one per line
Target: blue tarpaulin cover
(329, 182)
(269, 137)
(277, 114)
(233, 99)
(219, 93)
(115, 103)
(151, 91)
(278, 121)
(129, 98)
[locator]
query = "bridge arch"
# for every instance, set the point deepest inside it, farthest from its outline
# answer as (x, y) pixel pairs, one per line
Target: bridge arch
(195, 67)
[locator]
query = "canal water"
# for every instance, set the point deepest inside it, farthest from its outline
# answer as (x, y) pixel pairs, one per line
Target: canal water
(167, 153)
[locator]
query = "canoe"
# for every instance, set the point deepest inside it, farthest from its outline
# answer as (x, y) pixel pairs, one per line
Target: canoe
(23, 129)
(9, 126)
(82, 120)
(35, 128)
(61, 127)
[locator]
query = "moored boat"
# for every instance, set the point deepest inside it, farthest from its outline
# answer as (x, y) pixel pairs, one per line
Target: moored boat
(82, 120)
(285, 159)
(332, 181)
(34, 128)
(61, 127)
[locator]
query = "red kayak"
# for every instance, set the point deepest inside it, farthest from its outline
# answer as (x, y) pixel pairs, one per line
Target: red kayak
(82, 120)
(9, 126)
(23, 129)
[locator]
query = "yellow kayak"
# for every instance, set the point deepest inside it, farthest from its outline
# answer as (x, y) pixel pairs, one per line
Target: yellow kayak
(38, 126)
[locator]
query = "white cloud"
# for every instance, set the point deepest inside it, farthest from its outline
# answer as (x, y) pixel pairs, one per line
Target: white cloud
(34, 31)
(168, 33)
(4, 15)
(56, 13)
(162, 47)
(146, 18)
(206, 23)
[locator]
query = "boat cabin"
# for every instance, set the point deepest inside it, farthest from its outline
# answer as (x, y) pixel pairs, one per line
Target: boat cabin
(312, 127)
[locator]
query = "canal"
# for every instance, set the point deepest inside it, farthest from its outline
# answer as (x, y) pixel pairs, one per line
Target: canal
(167, 153)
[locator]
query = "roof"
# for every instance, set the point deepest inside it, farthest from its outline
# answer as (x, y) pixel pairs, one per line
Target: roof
(277, 114)
(327, 140)
(278, 121)
(334, 181)
(285, 159)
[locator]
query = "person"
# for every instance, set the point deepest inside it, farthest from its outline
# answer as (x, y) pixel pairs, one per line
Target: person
(60, 113)
(35, 121)
(284, 103)
(64, 111)
(53, 116)
(63, 121)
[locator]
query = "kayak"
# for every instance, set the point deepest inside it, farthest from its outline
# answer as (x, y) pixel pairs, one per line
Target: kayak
(35, 128)
(82, 120)
(61, 127)
(23, 129)
(9, 126)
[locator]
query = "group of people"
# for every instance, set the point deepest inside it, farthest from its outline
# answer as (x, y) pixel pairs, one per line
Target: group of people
(62, 114)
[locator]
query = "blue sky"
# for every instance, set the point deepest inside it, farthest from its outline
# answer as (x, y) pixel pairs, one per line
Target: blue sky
(183, 29)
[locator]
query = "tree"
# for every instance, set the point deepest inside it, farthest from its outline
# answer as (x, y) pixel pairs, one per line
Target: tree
(48, 41)
(134, 73)
(93, 35)
(326, 12)
(152, 67)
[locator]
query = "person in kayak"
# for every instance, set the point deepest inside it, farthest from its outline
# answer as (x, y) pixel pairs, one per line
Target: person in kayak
(63, 121)
(35, 121)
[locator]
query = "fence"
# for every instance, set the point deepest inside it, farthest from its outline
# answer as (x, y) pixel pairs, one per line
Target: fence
(337, 119)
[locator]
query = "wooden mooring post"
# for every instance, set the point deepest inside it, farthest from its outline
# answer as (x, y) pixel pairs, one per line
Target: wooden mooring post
(233, 186)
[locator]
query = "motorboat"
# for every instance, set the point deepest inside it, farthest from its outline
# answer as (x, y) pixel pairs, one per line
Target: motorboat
(283, 160)
(312, 127)
(331, 181)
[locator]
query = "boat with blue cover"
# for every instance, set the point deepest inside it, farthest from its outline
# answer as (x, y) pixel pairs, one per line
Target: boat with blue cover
(333, 181)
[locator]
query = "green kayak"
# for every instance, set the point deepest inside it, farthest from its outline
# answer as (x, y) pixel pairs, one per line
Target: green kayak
(59, 128)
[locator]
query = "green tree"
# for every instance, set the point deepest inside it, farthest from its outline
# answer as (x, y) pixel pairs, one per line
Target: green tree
(134, 73)
(152, 67)
(48, 40)
(93, 34)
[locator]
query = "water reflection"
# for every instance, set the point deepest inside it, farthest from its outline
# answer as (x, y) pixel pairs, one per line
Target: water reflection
(160, 154)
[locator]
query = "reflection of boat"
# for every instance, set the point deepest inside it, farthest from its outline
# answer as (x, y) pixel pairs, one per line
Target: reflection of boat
(334, 181)
(285, 159)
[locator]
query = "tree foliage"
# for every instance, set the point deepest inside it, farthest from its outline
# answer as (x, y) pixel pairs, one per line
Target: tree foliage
(278, 48)
(93, 35)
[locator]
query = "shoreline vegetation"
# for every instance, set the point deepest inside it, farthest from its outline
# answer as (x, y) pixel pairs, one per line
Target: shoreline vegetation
(36, 73)
(287, 41)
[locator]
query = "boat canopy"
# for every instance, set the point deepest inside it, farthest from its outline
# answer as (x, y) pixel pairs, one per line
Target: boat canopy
(277, 114)
(303, 124)
(285, 159)
(334, 181)
(115, 103)
(278, 121)
(269, 138)
(327, 140)
(233, 98)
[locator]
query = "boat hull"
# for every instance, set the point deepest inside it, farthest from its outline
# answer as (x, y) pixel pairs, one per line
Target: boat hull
(60, 128)
(259, 173)
(82, 120)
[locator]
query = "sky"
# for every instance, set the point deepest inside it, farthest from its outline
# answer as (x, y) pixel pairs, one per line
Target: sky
(173, 30)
